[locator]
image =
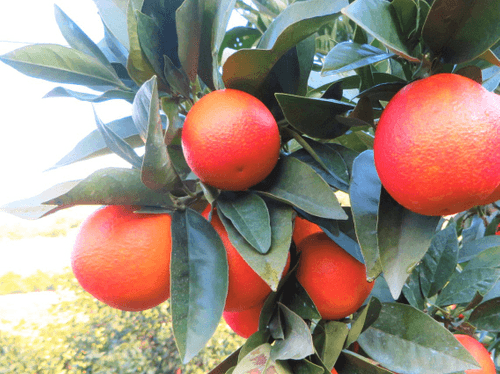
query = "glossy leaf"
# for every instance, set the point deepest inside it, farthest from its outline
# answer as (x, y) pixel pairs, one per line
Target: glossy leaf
(486, 316)
(249, 215)
(471, 249)
(297, 343)
(377, 18)
(461, 30)
(93, 98)
(113, 14)
(93, 145)
(77, 39)
(297, 184)
(117, 145)
(197, 297)
(138, 66)
(247, 69)
(315, 117)
(158, 173)
(364, 195)
(439, 262)
(348, 56)
(404, 237)
(478, 276)
(269, 266)
(398, 331)
(60, 64)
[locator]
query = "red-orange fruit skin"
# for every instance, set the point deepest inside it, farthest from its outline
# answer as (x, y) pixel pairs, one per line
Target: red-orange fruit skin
(123, 258)
(437, 145)
(244, 323)
(335, 281)
(230, 140)
(302, 229)
(477, 350)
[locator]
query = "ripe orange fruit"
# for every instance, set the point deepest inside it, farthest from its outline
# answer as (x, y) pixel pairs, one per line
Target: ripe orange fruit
(480, 353)
(230, 140)
(437, 145)
(123, 258)
(246, 288)
(244, 323)
(335, 281)
(302, 229)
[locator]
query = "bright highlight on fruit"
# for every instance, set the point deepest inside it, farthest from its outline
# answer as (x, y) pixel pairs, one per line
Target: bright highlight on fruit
(230, 140)
(123, 258)
(480, 353)
(437, 145)
(335, 281)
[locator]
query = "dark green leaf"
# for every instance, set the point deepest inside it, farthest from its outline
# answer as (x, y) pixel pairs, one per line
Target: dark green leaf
(364, 320)
(176, 78)
(296, 183)
(197, 296)
(240, 37)
(383, 91)
(247, 69)
(77, 39)
(404, 237)
(315, 117)
(479, 275)
(365, 197)
(249, 215)
(93, 98)
(398, 331)
(376, 17)
(412, 290)
(158, 173)
(461, 30)
(305, 367)
(295, 297)
(148, 32)
(269, 266)
(348, 56)
(297, 343)
(60, 64)
(117, 145)
(352, 363)
(439, 262)
(486, 316)
(329, 339)
(93, 144)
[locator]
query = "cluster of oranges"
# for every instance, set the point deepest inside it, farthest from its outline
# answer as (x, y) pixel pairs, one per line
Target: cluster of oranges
(231, 141)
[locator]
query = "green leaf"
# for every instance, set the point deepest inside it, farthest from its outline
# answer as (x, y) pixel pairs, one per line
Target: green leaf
(329, 339)
(297, 184)
(295, 297)
(117, 145)
(93, 145)
(60, 64)
(305, 367)
(413, 291)
(348, 56)
(462, 32)
(353, 363)
(478, 276)
(249, 215)
(297, 343)
(148, 32)
(269, 266)
(138, 66)
(439, 262)
(197, 295)
(398, 331)
(93, 98)
(364, 195)
(471, 249)
(77, 39)
(259, 361)
(315, 117)
(247, 69)
(158, 172)
(376, 17)
(404, 237)
(364, 320)
(486, 316)
(113, 14)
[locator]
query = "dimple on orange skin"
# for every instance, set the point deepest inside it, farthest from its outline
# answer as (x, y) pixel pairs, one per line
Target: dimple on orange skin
(437, 145)
(481, 354)
(123, 258)
(230, 140)
(335, 281)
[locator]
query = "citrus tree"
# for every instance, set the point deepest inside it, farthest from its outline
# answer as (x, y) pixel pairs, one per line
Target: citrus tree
(325, 177)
